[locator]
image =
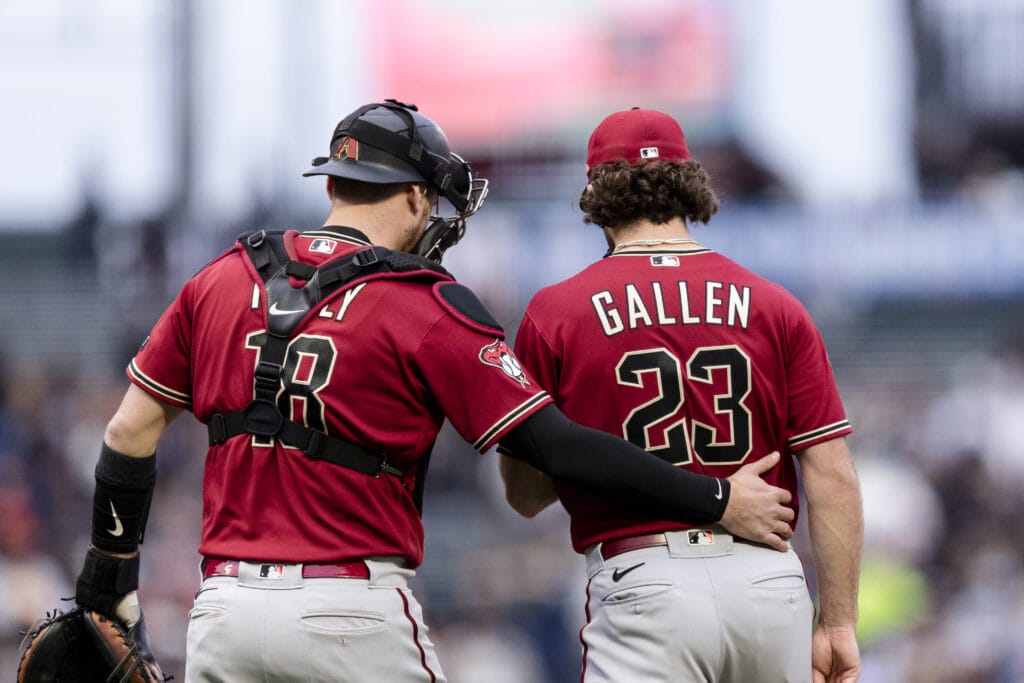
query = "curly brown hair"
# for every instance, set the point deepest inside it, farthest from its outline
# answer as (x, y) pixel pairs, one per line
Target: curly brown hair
(620, 193)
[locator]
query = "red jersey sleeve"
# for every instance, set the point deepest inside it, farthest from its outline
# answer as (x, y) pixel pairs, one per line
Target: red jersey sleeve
(816, 411)
(161, 367)
(480, 384)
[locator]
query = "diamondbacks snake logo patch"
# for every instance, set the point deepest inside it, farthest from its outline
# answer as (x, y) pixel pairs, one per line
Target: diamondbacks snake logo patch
(499, 355)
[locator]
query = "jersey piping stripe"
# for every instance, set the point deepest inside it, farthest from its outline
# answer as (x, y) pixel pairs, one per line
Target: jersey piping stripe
(586, 650)
(171, 395)
(834, 429)
(416, 636)
(513, 416)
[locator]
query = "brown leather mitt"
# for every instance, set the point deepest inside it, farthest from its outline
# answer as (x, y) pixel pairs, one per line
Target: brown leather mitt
(83, 646)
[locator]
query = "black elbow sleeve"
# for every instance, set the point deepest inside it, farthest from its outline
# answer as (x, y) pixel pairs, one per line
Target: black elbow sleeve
(613, 469)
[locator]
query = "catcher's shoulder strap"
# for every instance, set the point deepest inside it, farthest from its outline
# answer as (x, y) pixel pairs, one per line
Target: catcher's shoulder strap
(286, 308)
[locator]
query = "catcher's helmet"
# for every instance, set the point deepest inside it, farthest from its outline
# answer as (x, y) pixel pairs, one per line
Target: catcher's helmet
(392, 142)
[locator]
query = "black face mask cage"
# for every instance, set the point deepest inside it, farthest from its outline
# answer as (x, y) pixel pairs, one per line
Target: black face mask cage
(445, 231)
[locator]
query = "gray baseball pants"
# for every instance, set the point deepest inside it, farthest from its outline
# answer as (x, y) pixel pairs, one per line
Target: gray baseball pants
(278, 626)
(704, 608)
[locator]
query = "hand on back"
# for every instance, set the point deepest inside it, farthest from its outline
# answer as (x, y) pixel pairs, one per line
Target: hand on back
(757, 510)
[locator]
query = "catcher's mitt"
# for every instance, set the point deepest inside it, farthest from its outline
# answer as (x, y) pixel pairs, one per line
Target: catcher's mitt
(82, 646)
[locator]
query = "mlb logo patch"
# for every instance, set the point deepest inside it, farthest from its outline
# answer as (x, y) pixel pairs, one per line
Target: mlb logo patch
(700, 537)
(271, 571)
(665, 261)
(323, 246)
(649, 153)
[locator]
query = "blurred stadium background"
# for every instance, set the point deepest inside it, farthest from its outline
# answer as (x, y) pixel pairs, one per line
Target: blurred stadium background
(869, 155)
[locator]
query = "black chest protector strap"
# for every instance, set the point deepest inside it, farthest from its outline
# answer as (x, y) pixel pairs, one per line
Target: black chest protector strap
(286, 307)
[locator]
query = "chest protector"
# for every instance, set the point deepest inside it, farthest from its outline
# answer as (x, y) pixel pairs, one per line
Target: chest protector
(287, 306)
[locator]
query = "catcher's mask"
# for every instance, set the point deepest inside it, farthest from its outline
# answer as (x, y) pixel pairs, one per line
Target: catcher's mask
(391, 142)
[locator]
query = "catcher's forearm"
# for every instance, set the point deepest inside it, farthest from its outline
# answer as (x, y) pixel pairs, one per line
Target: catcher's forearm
(124, 489)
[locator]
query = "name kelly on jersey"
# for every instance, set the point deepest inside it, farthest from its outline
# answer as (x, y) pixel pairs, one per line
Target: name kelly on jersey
(647, 304)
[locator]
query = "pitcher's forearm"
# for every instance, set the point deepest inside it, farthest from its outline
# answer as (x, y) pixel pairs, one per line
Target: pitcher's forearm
(836, 524)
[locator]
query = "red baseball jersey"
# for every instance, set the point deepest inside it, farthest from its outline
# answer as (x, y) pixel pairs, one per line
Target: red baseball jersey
(687, 355)
(380, 364)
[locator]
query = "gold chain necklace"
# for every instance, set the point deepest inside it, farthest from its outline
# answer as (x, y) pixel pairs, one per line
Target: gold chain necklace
(652, 243)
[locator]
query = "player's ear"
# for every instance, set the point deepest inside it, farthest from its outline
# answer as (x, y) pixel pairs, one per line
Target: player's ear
(414, 195)
(330, 187)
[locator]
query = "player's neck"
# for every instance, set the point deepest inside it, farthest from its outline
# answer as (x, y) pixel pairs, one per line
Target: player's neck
(647, 235)
(376, 221)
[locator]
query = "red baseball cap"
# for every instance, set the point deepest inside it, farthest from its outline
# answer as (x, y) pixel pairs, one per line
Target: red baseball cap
(636, 135)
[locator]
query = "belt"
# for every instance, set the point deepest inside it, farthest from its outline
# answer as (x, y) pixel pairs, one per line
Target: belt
(215, 566)
(610, 549)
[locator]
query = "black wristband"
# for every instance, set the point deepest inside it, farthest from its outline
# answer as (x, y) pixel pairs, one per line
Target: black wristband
(105, 579)
(124, 490)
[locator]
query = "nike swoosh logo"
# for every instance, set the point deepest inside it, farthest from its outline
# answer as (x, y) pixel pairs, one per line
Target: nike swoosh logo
(118, 528)
(619, 573)
(274, 310)
(718, 496)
